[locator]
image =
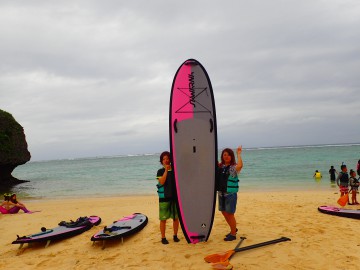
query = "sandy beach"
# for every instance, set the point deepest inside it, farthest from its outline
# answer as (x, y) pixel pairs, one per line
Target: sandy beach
(319, 241)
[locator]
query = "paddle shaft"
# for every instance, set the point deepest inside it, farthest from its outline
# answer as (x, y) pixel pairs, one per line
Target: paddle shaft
(282, 239)
(238, 245)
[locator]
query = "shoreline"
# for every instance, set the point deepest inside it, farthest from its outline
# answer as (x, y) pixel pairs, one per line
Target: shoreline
(317, 241)
(318, 187)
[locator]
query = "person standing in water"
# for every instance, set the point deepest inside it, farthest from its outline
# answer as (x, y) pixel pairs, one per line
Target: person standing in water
(332, 173)
(166, 192)
(317, 175)
(228, 186)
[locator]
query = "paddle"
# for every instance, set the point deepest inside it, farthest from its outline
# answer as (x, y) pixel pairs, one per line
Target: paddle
(224, 256)
(210, 258)
(226, 264)
(242, 238)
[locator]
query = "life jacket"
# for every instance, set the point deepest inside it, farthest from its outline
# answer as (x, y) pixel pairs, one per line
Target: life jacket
(227, 181)
(355, 182)
(317, 175)
(166, 191)
(344, 179)
(160, 191)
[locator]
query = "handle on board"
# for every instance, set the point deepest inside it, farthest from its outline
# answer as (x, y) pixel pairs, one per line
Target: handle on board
(175, 126)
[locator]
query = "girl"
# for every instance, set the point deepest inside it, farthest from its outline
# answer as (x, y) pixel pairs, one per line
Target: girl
(18, 204)
(228, 186)
(166, 192)
(6, 205)
(354, 184)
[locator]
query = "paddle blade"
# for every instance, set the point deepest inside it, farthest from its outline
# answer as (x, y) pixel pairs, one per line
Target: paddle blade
(219, 257)
(222, 265)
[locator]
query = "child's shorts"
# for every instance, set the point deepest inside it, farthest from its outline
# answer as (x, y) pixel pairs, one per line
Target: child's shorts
(167, 210)
(227, 202)
(344, 189)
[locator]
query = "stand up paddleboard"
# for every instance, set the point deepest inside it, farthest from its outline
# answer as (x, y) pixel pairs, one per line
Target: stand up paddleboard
(65, 230)
(121, 228)
(335, 211)
(193, 144)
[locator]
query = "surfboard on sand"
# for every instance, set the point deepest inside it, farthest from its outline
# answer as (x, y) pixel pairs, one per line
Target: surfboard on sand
(121, 228)
(193, 146)
(341, 212)
(64, 230)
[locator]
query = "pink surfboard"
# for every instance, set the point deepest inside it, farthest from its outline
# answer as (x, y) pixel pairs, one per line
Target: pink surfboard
(193, 145)
(341, 212)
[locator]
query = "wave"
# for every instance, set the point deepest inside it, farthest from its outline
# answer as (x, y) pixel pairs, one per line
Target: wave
(302, 146)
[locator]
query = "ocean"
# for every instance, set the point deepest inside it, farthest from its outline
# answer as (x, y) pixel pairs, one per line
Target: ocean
(265, 169)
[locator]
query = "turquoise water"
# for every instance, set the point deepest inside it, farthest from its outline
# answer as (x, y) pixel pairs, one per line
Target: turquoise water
(269, 169)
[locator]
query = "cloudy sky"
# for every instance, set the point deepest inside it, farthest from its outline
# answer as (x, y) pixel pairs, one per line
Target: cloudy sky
(93, 78)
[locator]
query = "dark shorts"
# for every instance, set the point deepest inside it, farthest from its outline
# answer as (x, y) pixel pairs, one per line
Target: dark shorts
(227, 202)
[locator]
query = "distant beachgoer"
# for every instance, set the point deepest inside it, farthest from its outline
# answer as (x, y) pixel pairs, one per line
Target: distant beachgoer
(358, 168)
(11, 206)
(166, 192)
(228, 186)
(332, 173)
(317, 175)
(6, 205)
(19, 204)
(354, 184)
(342, 180)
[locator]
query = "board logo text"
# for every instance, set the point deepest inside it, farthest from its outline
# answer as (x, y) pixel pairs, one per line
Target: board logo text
(191, 89)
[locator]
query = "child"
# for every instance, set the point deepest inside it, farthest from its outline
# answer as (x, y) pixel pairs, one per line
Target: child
(317, 175)
(354, 184)
(342, 180)
(228, 185)
(166, 192)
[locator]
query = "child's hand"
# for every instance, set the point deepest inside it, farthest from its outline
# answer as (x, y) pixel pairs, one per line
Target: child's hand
(167, 167)
(239, 149)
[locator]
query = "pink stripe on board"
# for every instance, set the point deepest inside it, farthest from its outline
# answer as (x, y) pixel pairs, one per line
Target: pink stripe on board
(128, 217)
(180, 103)
(181, 95)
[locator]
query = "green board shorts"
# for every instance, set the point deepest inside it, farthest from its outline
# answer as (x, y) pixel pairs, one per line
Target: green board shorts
(167, 210)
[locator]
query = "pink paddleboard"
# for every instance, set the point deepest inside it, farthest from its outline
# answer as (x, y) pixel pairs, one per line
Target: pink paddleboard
(193, 144)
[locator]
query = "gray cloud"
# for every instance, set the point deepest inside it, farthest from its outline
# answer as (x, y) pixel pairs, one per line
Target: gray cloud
(86, 78)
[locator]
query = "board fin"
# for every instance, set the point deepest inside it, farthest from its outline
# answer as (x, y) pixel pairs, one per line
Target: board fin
(47, 243)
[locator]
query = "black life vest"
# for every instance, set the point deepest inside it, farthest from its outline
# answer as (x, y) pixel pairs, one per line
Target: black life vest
(166, 192)
(344, 179)
(227, 182)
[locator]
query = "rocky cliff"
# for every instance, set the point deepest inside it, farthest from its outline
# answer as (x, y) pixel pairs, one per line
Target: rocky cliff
(13, 149)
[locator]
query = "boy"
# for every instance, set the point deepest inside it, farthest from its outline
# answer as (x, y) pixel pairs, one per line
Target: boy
(343, 180)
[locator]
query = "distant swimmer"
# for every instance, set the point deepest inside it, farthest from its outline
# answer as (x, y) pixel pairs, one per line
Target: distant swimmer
(332, 173)
(317, 175)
